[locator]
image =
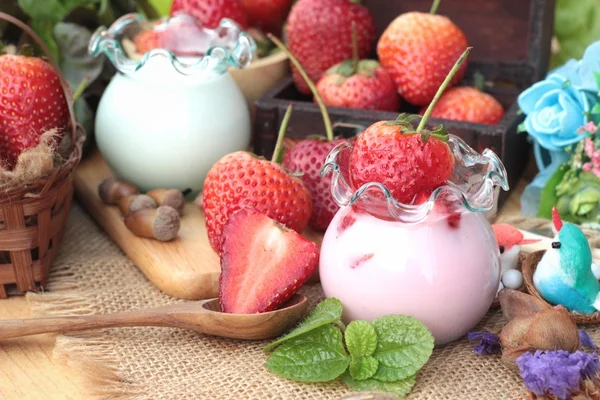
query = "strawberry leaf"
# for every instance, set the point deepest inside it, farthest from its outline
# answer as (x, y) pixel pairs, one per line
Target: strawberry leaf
(404, 344)
(440, 133)
(326, 312)
(345, 68)
(316, 356)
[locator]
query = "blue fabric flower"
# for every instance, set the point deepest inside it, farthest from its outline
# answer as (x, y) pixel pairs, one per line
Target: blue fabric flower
(556, 372)
(589, 64)
(556, 107)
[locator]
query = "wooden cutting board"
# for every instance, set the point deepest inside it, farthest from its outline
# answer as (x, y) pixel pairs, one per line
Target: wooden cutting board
(186, 267)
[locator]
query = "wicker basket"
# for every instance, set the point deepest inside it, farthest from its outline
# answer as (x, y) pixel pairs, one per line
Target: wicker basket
(33, 217)
(529, 267)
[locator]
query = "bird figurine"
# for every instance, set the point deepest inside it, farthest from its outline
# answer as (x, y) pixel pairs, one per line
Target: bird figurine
(564, 274)
(510, 240)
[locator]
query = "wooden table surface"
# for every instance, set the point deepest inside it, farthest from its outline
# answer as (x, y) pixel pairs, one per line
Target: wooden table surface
(27, 369)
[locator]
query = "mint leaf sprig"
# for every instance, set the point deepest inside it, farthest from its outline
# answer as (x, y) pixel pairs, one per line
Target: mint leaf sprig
(384, 355)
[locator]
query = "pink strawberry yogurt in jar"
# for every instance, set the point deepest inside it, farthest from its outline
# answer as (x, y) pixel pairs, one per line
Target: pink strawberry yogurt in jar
(437, 261)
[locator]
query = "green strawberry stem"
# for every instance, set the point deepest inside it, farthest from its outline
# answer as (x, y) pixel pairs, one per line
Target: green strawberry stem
(434, 6)
(81, 88)
(355, 56)
(278, 151)
(355, 1)
(442, 88)
(311, 85)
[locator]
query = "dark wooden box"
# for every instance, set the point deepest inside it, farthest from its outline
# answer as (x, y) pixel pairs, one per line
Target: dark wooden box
(511, 42)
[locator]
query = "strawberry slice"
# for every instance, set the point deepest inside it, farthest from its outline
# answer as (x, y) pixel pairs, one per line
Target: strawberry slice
(263, 263)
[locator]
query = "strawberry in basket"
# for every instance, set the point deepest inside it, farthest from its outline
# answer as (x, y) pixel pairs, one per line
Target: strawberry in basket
(32, 103)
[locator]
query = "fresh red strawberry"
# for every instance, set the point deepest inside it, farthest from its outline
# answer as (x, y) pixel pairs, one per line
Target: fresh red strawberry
(361, 84)
(391, 154)
(147, 40)
(32, 102)
(269, 15)
(419, 49)
(211, 12)
(319, 33)
(468, 104)
(308, 156)
(410, 162)
(242, 180)
(369, 88)
(263, 263)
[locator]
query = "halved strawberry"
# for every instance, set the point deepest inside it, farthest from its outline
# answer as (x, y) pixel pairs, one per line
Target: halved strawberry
(263, 263)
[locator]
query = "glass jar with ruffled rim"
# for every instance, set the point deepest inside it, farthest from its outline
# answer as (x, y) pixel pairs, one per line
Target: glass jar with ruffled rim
(437, 261)
(170, 113)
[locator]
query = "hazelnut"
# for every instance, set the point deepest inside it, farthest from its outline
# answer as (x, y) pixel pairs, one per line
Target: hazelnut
(112, 190)
(160, 223)
(135, 202)
(168, 197)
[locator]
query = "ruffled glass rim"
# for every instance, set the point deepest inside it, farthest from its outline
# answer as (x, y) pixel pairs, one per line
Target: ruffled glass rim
(238, 52)
(470, 188)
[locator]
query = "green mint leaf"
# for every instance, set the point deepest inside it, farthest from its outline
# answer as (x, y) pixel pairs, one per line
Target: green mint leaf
(399, 388)
(595, 109)
(597, 77)
(361, 339)
(316, 356)
(326, 312)
(404, 344)
(548, 196)
(362, 368)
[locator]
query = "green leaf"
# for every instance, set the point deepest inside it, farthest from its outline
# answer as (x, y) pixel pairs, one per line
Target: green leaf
(326, 312)
(163, 7)
(595, 109)
(404, 344)
(548, 194)
(76, 63)
(361, 339)
(46, 14)
(362, 368)
(316, 356)
(400, 388)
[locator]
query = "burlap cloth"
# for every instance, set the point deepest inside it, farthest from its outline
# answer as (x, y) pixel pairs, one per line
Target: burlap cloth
(92, 275)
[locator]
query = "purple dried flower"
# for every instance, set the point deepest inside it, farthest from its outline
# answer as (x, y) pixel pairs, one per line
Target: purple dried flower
(586, 340)
(556, 372)
(489, 343)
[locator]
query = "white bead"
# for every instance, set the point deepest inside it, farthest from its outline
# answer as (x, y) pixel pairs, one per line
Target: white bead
(512, 279)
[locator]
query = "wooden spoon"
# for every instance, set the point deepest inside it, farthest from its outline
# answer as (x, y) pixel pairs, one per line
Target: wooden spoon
(201, 316)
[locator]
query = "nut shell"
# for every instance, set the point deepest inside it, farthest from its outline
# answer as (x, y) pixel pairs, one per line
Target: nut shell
(136, 202)
(160, 223)
(111, 190)
(168, 197)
